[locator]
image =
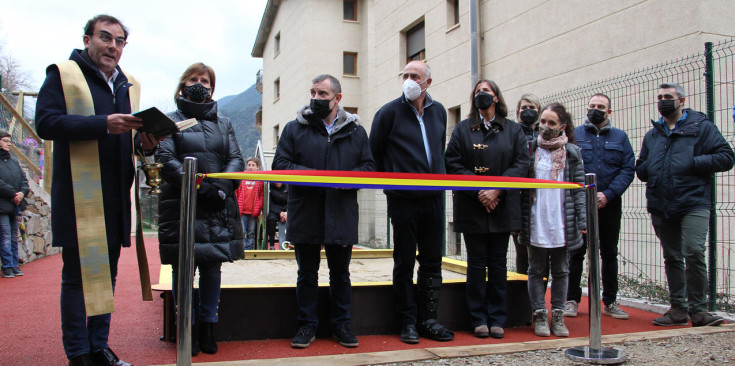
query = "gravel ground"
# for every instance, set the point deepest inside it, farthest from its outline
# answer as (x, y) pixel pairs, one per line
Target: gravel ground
(704, 349)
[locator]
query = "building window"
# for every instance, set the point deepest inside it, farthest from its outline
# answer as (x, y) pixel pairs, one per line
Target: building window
(349, 61)
(277, 89)
(277, 44)
(350, 10)
(452, 13)
(351, 110)
(415, 50)
(276, 135)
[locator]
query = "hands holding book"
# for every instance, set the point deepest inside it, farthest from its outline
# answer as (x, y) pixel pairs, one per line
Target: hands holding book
(120, 123)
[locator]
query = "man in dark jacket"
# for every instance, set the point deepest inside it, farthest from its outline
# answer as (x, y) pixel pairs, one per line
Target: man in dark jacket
(13, 189)
(323, 137)
(678, 159)
(607, 152)
(408, 135)
(108, 126)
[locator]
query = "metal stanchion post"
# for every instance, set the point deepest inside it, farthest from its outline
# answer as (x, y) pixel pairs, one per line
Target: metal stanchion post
(594, 353)
(186, 262)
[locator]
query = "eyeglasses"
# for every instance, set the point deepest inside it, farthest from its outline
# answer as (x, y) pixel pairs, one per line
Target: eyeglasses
(106, 38)
(6, 140)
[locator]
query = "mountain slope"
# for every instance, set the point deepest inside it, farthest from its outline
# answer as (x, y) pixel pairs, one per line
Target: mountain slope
(241, 109)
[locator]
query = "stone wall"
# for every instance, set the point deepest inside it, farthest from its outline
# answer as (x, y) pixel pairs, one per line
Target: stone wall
(37, 220)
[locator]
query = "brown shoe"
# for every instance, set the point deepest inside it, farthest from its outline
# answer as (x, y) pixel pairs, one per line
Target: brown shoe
(497, 332)
(481, 331)
(704, 319)
(675, 316)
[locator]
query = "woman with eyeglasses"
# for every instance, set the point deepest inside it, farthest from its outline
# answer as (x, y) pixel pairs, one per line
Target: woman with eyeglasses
(487, 143)
(218, 232)
(13, 189)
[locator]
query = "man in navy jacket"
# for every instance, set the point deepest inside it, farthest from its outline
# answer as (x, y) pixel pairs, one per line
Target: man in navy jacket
(607, 152)
(408, 135)
(323, 137)
(85, 338)
(679, 155)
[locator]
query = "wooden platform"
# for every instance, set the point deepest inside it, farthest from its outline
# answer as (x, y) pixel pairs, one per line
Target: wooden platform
(258, 308)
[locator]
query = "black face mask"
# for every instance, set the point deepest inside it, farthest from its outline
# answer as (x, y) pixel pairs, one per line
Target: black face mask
(484, 100)
(320, 107)
(197, 93)
(666, 107)
(529, 116)
(596, 116)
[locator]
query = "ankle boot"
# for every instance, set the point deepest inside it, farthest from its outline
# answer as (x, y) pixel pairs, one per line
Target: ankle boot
(194, 339)
(207, 342)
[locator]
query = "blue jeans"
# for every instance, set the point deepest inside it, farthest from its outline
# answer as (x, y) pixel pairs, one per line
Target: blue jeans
(538, 259)
(307, 288)
(9, 240)
(248, 225)
(210, 279)
(486, 258)
(82, 334)
(683, 241)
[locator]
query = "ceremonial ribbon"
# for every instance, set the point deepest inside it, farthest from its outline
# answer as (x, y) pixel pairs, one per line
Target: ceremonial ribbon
(395, 181)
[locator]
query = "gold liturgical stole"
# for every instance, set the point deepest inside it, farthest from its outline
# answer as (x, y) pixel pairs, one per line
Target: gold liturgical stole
(85, 170)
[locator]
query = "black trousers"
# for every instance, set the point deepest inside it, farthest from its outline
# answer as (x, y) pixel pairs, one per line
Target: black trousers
(307, 287)
(487, 253)
(609, 232)
(417, 224)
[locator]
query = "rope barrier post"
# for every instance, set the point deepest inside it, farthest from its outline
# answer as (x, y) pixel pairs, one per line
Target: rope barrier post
(186, 262)
(594, 353)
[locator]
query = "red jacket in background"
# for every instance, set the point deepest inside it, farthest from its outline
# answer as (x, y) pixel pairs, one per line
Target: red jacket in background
(250, 197)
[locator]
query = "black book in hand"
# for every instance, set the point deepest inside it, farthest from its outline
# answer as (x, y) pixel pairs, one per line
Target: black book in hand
(159, 125)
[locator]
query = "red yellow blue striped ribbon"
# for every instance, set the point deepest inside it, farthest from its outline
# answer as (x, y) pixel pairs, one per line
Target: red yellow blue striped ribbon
(397, 181)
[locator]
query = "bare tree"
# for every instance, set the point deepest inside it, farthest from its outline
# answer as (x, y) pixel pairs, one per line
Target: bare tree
(14, 78)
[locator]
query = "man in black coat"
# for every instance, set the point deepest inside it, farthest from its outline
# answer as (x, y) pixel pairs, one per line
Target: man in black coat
(85, 338)
(323, 137)
(408, 136)
(13, 189)
(679, 155)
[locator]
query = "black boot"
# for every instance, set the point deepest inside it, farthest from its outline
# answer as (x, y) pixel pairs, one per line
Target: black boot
(427, 296)
(107, 357)
(83, 360)
(194, 339)
(207, 341)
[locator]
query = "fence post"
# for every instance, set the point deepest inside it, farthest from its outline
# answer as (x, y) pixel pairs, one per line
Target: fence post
(186, 262)
(594, 353)
(710, 92)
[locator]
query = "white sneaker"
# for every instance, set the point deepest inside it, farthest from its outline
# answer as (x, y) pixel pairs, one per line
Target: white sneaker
(614, 311)
(570, 308)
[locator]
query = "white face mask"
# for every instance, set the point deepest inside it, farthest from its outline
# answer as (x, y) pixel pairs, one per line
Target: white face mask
(412, 89)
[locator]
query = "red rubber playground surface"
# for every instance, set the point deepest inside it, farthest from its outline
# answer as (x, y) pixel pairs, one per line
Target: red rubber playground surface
(30, 331)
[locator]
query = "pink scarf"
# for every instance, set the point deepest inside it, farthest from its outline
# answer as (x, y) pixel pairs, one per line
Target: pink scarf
(558, 149)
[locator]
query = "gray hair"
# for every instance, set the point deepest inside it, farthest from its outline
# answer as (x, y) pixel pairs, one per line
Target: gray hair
(336, 86)
(428, 70)
(679, 90)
